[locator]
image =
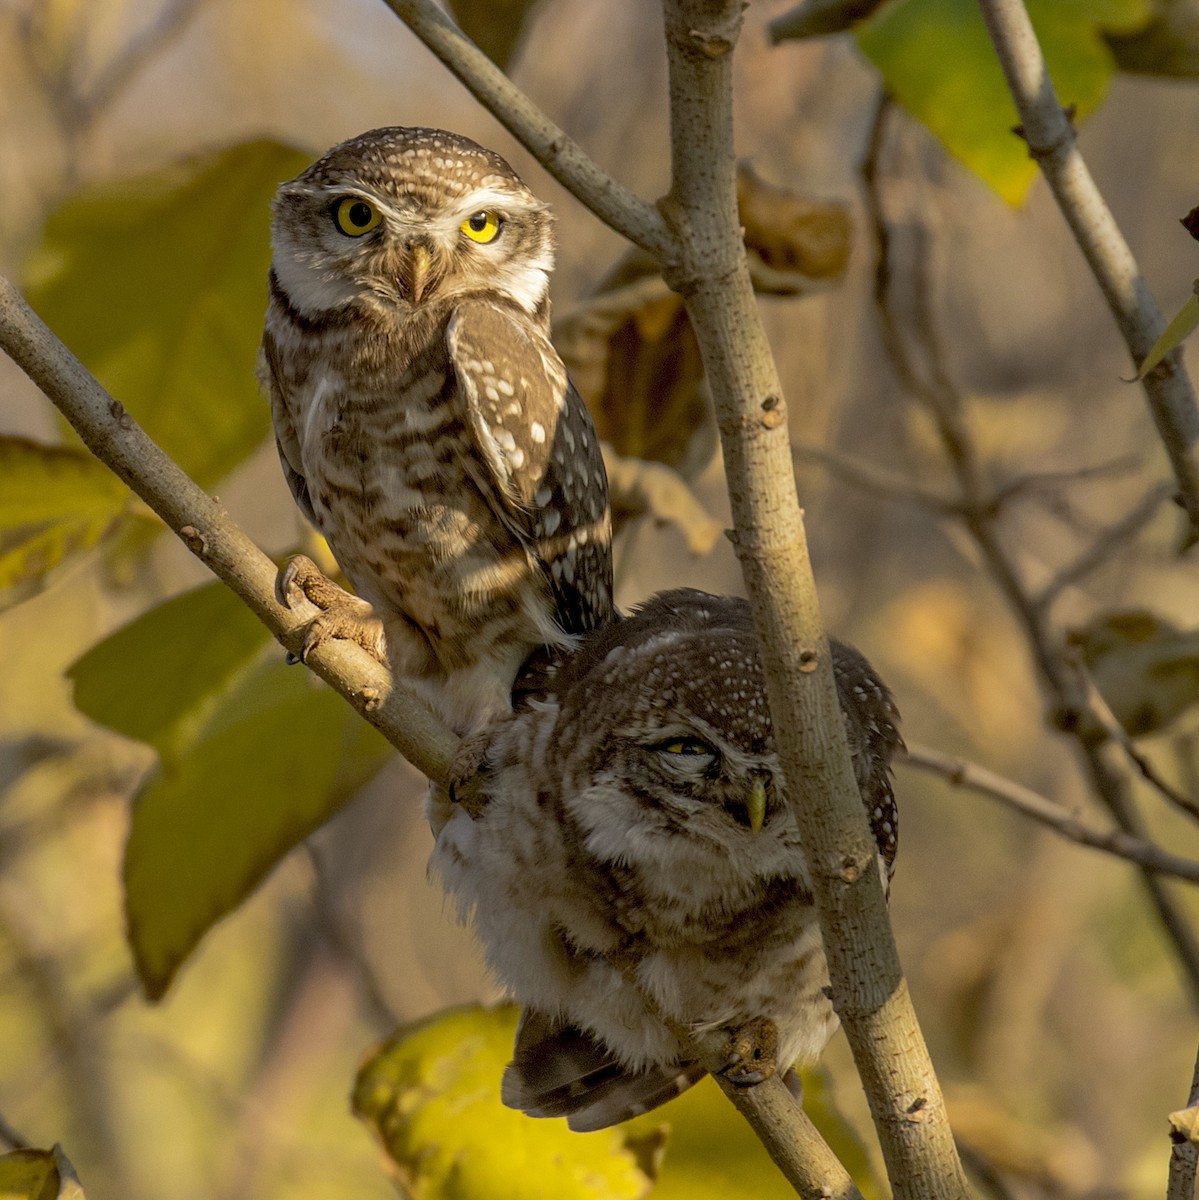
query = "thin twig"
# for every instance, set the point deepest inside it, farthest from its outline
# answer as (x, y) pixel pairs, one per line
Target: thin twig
(933, 387)
(1105, 545)
(562, 157)
(1053, 144)
(876, 480)
(1099, 708)
(210, 534)
(344, 944)
(1041, 481)
(965, 774)
(170, 22)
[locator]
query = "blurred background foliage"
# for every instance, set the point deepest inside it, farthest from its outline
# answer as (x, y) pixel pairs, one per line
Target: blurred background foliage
(157, 759)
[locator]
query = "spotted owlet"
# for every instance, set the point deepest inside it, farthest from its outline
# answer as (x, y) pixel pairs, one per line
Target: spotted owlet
(635, 843)
(425, 423)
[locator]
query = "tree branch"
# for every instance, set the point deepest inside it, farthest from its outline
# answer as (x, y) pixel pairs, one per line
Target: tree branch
(929, 382)
(1052, 142)
(1110, 540)
(208, 531)
(964, 774)
(1184, 1154)
(869, 991)
(562, 157)
(212, 536)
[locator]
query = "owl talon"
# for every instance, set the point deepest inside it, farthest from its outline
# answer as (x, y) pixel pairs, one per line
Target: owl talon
(752, 1053)
(342, 615)
(467, 772)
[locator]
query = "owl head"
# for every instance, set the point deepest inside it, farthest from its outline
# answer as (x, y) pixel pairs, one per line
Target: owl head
(688, 753)
(677, 687)
(406, 219)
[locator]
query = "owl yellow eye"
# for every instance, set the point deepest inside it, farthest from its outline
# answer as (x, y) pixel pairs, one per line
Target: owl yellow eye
(355, 216)
(483, 227)
(690, 746)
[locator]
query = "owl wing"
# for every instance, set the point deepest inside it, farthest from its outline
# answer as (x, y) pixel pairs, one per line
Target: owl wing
(286, 441)
(539, 458)
(559, 1070)
(872, 728)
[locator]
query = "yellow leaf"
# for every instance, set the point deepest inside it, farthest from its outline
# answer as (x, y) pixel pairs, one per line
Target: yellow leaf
(1184, 322)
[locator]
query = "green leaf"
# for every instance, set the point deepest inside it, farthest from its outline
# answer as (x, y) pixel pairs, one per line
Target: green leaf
(38, 1175)
(162, 676)
(255, 756)
(158, 284)
(936, 58)
(55, 503)
(279, 757)
(28, 1175)
(1175, 333)
(432, 1094)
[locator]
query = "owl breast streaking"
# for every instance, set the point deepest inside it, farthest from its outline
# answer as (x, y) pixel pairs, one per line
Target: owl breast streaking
(425, 423)
(635, 842)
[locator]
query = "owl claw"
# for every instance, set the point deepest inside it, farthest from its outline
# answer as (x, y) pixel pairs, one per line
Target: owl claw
(466, 773)
(342, 615)
(752, 1053)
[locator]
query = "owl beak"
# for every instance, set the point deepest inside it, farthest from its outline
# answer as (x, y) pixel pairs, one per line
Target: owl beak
(755, 806)
(416, 271)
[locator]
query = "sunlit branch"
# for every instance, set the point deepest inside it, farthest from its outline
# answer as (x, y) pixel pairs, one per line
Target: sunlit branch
(1049, 132)
(964, 774)
(212, 536)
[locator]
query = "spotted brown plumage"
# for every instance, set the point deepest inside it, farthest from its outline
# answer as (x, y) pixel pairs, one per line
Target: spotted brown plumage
(425, 424)
(635, 842)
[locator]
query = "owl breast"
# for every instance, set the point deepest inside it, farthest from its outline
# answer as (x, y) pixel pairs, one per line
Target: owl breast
(394, 491)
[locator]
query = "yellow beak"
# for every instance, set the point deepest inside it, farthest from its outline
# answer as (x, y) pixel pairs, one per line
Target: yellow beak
(756, 805)
(419, 265)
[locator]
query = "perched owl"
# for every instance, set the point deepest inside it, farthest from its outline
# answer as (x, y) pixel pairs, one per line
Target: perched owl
(425, 423)
(635, 829)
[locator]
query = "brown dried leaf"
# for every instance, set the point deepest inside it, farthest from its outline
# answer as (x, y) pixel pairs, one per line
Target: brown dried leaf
(790, 235)
(635, 361)
(630, 348)
(1146, 670)
(1191, 223)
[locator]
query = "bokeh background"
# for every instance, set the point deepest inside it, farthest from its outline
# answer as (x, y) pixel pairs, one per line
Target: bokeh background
(1057, 1017)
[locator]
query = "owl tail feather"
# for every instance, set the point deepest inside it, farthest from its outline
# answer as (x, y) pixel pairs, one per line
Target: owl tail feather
(562, 1071)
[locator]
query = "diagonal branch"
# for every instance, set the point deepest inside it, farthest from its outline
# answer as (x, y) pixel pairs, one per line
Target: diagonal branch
(562, 157)
(964, 774)
(212, 536)
(1052, 142)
